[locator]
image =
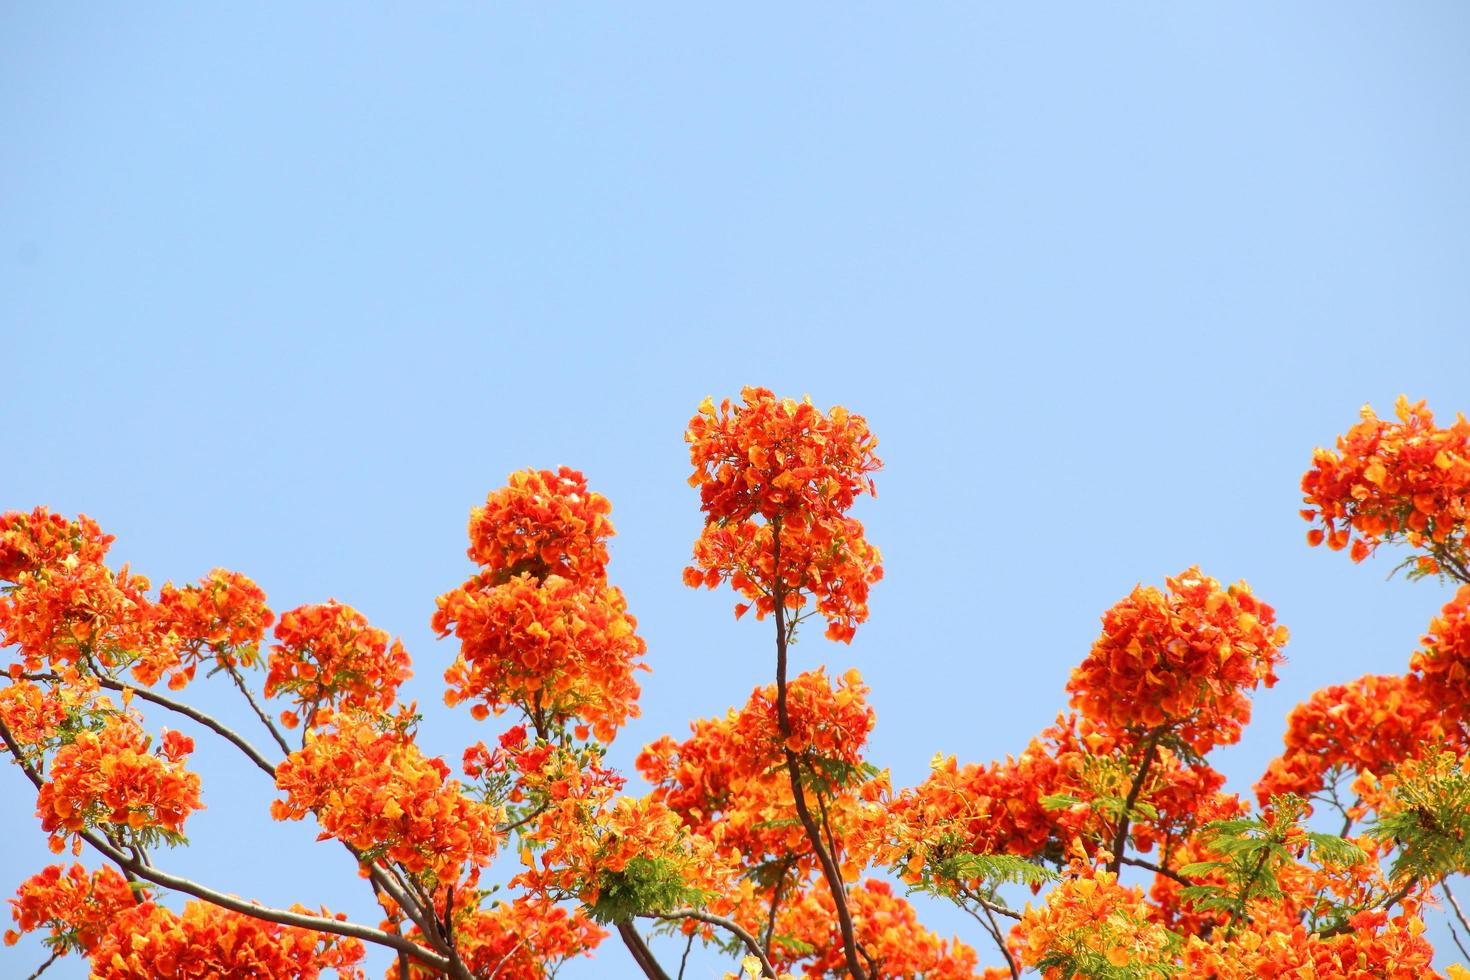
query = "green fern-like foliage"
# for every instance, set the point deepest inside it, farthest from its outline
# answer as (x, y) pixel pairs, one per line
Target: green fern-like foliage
(644, 886)
(1428, 821)
(1252, 851)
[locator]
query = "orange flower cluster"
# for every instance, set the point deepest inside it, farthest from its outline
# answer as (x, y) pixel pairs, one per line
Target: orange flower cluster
(1184, 660)
(521, 940)
(75, 905)
(542, 523)
(1091, 923)
(779, 474)
(224, 617)
(36, 715)
(556, 649)
(1000, 808)
(731, 772)
(1387, 480)
(108, 776)
(76, 608)
(368, 784)
(1375, 946)
(328, 657)
(540, 628)
(1443, 659)
(149, 941)
(31, 543)
(885, 926)
(1370, 725)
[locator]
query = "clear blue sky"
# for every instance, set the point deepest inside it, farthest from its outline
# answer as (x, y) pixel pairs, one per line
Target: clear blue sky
(289, 290)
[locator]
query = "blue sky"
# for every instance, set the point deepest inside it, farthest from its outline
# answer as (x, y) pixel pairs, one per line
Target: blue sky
(288, 291)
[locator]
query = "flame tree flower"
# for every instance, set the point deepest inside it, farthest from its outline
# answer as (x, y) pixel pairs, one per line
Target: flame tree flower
(1389, 480)
(776, 479)
(539, 627)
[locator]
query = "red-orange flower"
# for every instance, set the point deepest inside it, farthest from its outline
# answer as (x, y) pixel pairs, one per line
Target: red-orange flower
(328, 656)
(540, 628)
(776, 478)
(32, 542)
(1184, 660)
(148, 941)
(885, 926)
(109, 776)
(521, 940)
(554, 648)
(76, 906)
(1387, 480)
(1443, 659)
(368, 784)
(1370, 725)
(542, 523)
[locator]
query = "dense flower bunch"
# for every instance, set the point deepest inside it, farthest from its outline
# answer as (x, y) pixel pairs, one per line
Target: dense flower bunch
(109, 777)
(778, 477)
(542, 523)
(368, 784)
(75, 905)
(224, 617)
(887, 928)
(37, 715)
(557, 649)
(1443, 659)
(34, 542)
(1369, 725)
(149, 941)
(730, 774)
(1090, 923)
(75, 610)
(1387, 480)
(521, 940)
(327, 656)
(1051, 799)
(540, 628)
(1375, 945)
(1184, 660)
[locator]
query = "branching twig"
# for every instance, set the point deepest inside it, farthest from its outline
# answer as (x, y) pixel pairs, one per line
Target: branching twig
(830, 871)
(232, 903)
(729, 925)
(1120, 839)
(259, 711)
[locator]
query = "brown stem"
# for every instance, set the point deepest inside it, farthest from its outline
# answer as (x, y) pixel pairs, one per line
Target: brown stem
(642, 955)
(178, 707)
(731, 926)
(42, 968)
(1157, 869)
(259, 711)
(830, 871)
(1120, 839)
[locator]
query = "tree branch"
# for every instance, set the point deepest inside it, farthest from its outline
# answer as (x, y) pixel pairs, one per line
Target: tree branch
(233, 903)
(259, 712)
(729, 925)
(1120, 839)
(830, 871)
(1157, 869)
(642, 955)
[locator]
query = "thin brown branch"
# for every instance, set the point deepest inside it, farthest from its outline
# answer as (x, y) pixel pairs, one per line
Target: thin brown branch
(1120, 839)
(43, 967)
(265, 719)
(830, 871)
(642, 955)
(1157, 869)
(730, 926)
(233, 903)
